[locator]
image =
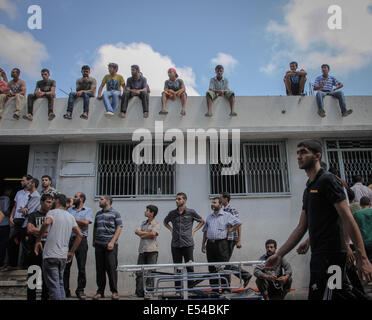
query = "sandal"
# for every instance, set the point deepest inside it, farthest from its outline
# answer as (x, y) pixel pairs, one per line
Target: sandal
(98, 296)
(51, 116)
(115, 296)
(81, 295)
(84, 116)
(163, 112)
(208, 114)
(28, 117)
(67, 116)
(183, 112)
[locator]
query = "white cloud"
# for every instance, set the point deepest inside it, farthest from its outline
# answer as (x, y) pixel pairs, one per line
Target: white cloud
(9, 7)
(304, 36)
(227, 60)
(268, 69)
(21, 50)
(153, 65)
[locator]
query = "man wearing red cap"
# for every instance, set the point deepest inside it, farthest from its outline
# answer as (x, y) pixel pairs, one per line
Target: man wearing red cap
(174, 87)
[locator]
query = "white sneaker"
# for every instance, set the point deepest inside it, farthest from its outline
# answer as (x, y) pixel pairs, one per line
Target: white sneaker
(109, 114)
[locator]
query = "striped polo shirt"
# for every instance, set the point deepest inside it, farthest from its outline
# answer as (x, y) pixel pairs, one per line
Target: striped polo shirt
(330, 82)
(105, 224)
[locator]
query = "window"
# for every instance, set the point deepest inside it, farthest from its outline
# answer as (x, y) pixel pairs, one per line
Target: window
(351, 157)
(263, 170)
(119, 176)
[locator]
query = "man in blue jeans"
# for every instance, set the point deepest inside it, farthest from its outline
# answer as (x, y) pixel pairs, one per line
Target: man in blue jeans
(56, 254)
(85, 88)
(324, 84)
(114, 82)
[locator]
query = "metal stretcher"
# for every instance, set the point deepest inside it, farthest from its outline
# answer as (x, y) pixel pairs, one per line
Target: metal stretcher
(190, 282)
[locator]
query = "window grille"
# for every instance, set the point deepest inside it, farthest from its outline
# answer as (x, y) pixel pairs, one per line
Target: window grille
(351, 157)
(263, 170)
(119, 176)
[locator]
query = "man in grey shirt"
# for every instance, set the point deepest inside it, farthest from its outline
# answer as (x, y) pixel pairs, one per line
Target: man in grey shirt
(273, 282)
(219, 86)
(59, 224)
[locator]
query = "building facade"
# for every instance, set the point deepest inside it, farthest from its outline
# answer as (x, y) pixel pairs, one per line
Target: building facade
(96, 156)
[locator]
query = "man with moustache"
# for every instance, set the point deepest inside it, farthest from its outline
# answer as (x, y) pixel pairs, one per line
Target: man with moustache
(83, 216)
(217, 228)
(325, 213)
(46, 185)
(136, 86)
(273, 283)
(107, 228)
(182, 219)
(35, 221)
(16, 90)
(85, 88)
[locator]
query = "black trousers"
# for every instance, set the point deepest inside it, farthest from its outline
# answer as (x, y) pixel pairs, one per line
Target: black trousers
(32, 259)
(245, 274)
(17, 236)
(145, 258)
(106, 262)
(81, 259)
(183, 254)
(319, 264)
(31, 99)
(127, 95)
(218, 251)
(4, 236)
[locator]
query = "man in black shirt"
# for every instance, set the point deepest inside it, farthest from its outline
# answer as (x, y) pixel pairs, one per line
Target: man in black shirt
(35, 221)
(182, 220)
(325, 213)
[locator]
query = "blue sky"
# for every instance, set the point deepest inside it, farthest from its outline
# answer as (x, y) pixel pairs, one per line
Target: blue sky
(258, 38)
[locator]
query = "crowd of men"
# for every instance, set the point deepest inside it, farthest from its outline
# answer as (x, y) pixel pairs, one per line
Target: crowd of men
(118, 91)
(51, 228)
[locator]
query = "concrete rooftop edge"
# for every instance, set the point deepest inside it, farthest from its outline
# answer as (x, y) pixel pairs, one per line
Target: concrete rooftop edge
(264, 116)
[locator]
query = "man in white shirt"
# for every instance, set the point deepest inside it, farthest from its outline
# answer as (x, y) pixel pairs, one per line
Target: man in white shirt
(360, 189)
(16, 221)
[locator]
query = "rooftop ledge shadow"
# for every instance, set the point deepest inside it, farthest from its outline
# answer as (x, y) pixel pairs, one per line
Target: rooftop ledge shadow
(258, 116)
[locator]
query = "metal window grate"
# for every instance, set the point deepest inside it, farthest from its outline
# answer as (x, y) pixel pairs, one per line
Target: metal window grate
(119, 176)
(350, 157)
(263, 170)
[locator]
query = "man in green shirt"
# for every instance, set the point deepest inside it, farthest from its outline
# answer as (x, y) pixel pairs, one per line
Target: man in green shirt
(363, 218)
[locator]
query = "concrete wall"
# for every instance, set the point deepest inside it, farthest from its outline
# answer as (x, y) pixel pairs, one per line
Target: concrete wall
(262, 218)
(291, 118)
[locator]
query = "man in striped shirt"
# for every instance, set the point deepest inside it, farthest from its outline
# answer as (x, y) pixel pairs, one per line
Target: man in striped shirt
(234, 238)
(217, 228)
(324, 84)
(107, 228)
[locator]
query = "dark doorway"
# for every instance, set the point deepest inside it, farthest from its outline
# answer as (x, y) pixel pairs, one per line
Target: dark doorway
(13, 165)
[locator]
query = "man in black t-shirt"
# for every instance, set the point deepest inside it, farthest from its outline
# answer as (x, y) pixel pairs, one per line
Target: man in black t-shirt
(325, 213)
(44, 88)
(35, 221)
